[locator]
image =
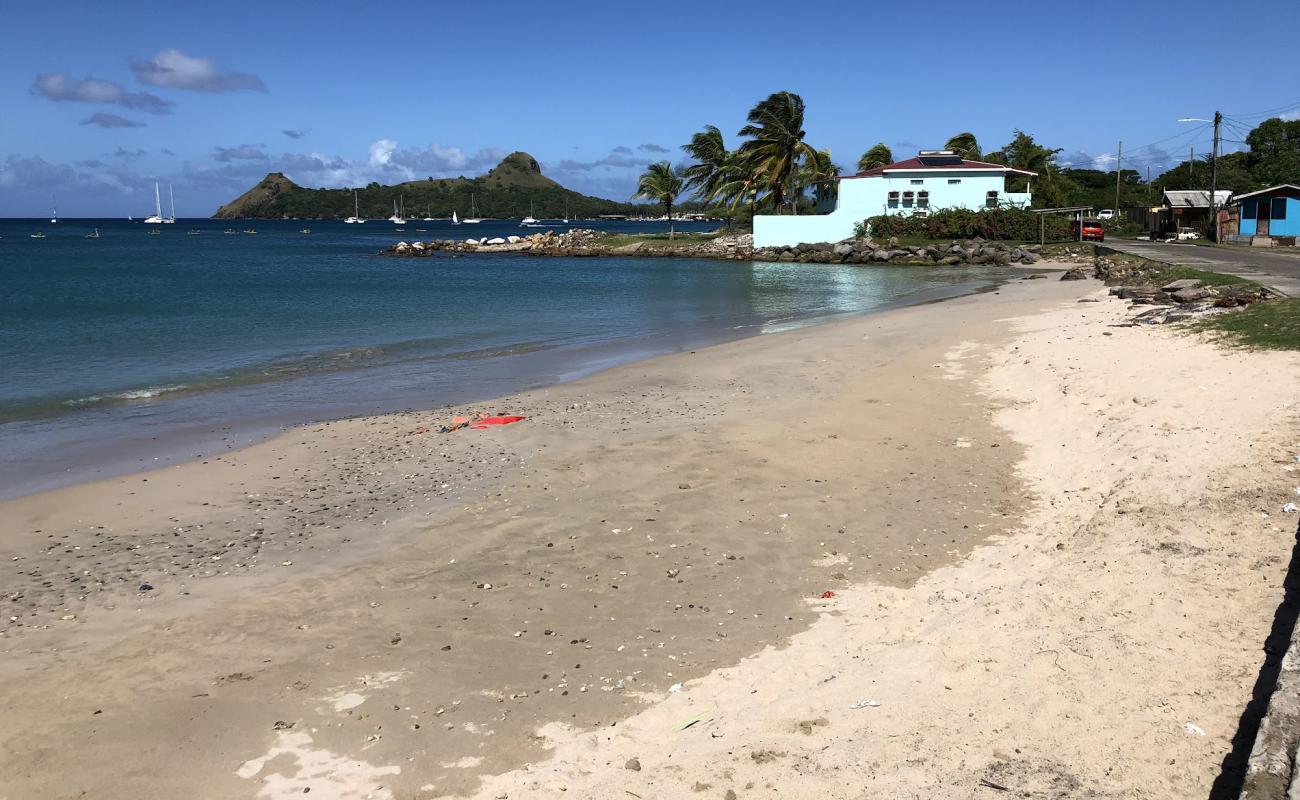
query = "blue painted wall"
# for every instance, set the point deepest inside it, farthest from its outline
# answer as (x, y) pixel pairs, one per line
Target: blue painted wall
(1287, 226)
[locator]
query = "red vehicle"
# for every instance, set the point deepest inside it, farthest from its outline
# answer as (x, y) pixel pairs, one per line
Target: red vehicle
(1092, 230)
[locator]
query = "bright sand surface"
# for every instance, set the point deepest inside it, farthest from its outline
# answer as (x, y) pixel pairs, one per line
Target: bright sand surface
(1054, 543)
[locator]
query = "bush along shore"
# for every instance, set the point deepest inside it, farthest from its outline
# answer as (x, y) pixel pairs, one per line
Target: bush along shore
(580, 242)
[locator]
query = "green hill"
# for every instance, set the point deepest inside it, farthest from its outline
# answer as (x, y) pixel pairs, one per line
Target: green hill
(505, 191)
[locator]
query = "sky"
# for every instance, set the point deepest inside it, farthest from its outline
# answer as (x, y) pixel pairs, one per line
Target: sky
(102, 99)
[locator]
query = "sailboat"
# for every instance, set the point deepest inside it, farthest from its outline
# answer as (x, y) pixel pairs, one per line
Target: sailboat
(172, 219)
(455, 220)
(94, 235)
(54, 220)
(396, 219)
(157, 217)
(566, 213)
(473, 218)
(529, 220)
(356, 211)
(428, 214)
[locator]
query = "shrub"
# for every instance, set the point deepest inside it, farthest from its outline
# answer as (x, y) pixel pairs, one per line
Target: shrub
(1014, 224)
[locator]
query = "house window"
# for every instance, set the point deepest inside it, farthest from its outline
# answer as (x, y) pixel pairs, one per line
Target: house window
(893, 199)
(917, 181)
(1279, 208)
(991, 199)
(953, 181)
(923, 198)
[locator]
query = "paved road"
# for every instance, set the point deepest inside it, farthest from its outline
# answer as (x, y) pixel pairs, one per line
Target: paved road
(1278, 269)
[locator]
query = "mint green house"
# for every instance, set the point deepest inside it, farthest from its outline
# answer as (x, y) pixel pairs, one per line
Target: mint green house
(934, 180)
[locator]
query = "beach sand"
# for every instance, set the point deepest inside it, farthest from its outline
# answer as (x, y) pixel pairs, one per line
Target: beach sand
(1004, 538)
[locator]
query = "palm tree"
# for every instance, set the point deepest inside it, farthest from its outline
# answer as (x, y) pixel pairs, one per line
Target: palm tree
(711, 159)
(660, 183)
(877, 156)
(965, 145)
(817, 172)
(737, 183)
(776, 143)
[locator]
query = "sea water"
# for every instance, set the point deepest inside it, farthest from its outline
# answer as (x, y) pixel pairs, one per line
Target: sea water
(136, 350)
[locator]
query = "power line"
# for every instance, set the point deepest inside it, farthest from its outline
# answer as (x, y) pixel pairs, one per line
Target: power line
(1266, 112)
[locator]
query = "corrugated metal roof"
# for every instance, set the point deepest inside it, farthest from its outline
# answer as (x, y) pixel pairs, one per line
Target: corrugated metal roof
(1195, 198)
(1291, 186)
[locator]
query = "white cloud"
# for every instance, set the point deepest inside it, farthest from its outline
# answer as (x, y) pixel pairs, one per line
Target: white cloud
(381, 152)
(243, 152)
(57, 86)
(173, 69)
(110, 121)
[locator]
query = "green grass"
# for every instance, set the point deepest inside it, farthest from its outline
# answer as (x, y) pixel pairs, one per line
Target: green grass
(1271, 325)
(1171, 274)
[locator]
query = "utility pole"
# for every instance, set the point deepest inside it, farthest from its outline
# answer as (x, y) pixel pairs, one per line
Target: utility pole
(1214, 178)
(1191, 168)
(1119, 162)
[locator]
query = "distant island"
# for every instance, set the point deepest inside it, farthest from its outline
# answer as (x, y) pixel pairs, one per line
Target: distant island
(513, 188)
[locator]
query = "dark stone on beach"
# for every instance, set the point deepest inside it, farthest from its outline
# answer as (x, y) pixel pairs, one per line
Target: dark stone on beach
(1075, 274)
(633, 764)
(281, 725)
(146, 587)
(1191, 294)
(1185, 283)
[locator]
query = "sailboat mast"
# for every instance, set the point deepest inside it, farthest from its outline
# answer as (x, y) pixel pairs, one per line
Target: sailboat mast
(172, 195)
(157, 201)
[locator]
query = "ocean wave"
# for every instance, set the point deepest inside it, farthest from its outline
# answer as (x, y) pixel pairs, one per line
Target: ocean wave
(127, 396)
(285, 368)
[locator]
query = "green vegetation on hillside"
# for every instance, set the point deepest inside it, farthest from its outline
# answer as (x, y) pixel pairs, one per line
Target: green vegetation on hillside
(513, 188)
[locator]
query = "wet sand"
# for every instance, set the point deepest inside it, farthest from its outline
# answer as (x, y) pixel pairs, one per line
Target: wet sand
(369, 608)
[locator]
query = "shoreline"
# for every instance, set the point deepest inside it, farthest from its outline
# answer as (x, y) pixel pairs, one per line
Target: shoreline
(223, 436)
(509, 610)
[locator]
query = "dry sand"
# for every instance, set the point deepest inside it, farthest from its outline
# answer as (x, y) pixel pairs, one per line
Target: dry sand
(1054, 542)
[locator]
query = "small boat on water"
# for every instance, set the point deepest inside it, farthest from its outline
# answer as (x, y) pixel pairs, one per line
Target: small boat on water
(397, 218)
(250, 231)
(355, 219)
(157, 218)
(530, 219)
(305, 231)
(54, 218)
(455, 220)
(38, 235)
(193, 232)
(94, 235)
(231, 232)
(473, 218)
(155, 232)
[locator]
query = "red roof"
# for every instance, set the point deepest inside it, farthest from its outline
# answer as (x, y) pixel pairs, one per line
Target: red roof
(919, 164)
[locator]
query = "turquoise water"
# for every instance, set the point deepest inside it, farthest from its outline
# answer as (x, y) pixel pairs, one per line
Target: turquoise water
(134, 350)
